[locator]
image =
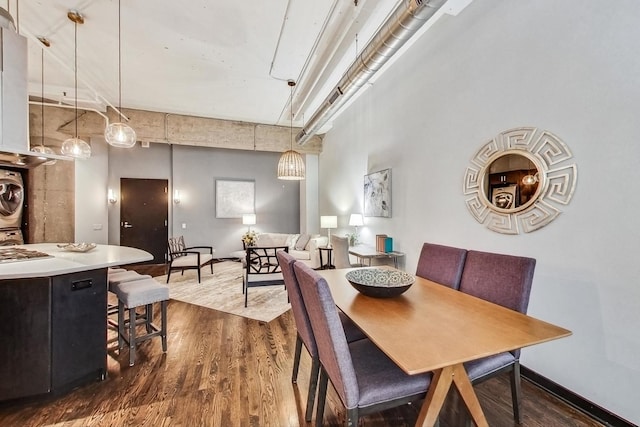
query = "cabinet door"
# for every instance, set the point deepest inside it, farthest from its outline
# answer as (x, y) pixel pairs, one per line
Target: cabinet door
(25, 362)
(79, 328)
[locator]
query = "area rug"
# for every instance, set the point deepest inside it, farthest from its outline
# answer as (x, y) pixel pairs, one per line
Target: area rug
(222, 291)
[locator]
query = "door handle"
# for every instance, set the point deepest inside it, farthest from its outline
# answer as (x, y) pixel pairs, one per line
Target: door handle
(126, 225)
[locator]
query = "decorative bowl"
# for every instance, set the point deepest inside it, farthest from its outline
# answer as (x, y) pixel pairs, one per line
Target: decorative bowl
(380, 282)
(77, 247)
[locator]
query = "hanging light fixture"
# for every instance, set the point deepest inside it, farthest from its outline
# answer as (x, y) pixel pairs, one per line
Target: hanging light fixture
(75, 147)
(291, 165)
(120, 134)
(42, 149)
(530, 179)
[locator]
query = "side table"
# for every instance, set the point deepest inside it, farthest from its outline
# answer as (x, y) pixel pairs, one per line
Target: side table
(325, 265)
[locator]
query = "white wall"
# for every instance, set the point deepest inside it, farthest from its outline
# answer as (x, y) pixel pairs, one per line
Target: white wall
(91, 219)
(570, 67)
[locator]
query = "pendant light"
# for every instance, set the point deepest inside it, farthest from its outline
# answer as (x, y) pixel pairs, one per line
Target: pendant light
(42, 149)
(291, 165)
(120, 134)
(75, 147)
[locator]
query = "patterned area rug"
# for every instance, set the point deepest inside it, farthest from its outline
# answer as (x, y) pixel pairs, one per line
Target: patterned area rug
(222, 291)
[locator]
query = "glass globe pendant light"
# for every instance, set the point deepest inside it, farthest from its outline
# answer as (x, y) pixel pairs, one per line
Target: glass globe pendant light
(291, 166)
(76, 147)
(120, 134)
(42, 149)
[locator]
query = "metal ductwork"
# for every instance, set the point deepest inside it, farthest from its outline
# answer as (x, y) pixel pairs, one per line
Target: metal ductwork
(401, 25)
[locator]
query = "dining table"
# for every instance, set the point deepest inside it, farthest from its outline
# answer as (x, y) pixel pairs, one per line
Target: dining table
(434, 328)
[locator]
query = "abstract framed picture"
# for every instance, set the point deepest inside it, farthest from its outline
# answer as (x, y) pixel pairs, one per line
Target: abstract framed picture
(377, 194)
(234, 197)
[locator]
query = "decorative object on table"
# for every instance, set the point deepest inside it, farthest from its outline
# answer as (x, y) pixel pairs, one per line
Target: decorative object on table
(355, 220)
(380, 282)
(234, 197)
(513, 155)
(291, 165)
(250, 238)
(249, 220)
(329, 222)
(388, 244)
(380, 242)
(77, 247)
(377, 194)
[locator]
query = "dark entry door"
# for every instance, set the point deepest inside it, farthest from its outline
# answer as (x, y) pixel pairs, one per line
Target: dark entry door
(144, 215)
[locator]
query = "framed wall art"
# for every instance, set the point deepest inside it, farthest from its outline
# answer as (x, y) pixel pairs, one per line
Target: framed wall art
(377, 194)
(234, 197)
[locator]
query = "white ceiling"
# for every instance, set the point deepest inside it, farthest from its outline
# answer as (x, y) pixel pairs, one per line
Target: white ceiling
(209, 58)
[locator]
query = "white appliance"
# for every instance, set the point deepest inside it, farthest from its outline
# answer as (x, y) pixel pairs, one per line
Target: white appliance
(11, 205)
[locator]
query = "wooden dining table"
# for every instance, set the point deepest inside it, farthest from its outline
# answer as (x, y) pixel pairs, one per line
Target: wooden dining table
(433, 328)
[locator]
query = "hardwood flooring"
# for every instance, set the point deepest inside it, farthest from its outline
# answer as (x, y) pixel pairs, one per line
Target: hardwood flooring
(225, 370)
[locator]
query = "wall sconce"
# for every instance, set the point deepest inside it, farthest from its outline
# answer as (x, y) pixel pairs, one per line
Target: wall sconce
(111, 196)
(329, 222)
(176, 197)
(249, 219)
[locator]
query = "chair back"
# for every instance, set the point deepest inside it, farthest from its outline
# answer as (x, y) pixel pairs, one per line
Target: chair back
(340, 247)
(333, 349)
(502, 279)
(303, 324)
(441, 264)
(176, 245)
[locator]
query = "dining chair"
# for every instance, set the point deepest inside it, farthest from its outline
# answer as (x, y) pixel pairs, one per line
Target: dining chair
(365, 379)
(504, 280)
(304, 332)
(441, 264)
(184, 258)
(340, 246)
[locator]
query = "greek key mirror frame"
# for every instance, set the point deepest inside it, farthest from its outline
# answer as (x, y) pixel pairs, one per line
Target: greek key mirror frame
(558, 177)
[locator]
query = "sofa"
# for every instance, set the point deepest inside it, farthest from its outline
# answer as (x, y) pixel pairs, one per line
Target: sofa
(303, 247)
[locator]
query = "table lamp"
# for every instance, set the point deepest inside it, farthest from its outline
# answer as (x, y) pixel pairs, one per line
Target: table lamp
(249, 219)
(329, 222)
(355, 220)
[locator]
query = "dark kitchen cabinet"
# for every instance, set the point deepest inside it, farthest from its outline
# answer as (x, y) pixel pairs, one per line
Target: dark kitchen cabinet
(53, 333)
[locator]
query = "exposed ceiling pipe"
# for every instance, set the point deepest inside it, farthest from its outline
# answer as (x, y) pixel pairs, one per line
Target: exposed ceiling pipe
(402, 23)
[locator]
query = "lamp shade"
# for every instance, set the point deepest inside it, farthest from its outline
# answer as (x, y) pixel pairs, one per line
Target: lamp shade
(248, 219)
(330, 221)
(291, 166)
(120, 135)
(76, 148)
(356, 220)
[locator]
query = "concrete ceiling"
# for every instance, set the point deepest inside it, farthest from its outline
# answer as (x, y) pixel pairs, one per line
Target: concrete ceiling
(208, 58)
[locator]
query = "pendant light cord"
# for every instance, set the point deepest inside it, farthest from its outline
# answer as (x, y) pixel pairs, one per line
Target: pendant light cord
(75, 68)
(42, 95)
(119, 59)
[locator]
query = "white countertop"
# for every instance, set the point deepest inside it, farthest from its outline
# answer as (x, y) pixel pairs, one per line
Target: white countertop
(63, 262)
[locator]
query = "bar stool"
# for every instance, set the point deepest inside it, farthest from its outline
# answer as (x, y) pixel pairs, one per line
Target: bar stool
(138, 293)
(115, 276)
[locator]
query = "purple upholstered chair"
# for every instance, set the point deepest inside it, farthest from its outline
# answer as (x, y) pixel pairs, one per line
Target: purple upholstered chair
(363, 376)
(504, 280)
(441, 264)
(305, 333)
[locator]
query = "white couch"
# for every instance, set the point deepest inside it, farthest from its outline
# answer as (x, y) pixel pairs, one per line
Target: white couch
(308, 254)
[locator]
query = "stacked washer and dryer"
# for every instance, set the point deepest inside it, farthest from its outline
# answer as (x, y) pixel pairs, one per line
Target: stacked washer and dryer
(11, 204)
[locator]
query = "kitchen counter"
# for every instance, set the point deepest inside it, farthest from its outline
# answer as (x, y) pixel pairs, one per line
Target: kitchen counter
(62, 261)
(54, 317)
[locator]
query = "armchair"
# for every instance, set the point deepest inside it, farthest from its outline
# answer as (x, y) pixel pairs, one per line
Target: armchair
(184, 258)
(261, 268)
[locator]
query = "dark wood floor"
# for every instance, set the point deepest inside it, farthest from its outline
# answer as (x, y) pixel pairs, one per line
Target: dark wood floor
(224, 370)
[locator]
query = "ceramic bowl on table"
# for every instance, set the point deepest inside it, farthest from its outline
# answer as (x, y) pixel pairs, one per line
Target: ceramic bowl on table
(380, 282)
(77, 247)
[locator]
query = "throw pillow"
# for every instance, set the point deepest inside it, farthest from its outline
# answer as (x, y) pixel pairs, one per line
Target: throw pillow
(292, 239)
(302, 242)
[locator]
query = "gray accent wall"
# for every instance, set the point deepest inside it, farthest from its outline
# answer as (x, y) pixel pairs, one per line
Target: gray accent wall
(570, 67)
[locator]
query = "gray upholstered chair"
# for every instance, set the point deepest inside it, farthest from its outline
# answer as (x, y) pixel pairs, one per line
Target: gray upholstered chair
(340, 247)
(441, 264)
(304, 332)
(365, 379)
(505, 280)
(184, 258)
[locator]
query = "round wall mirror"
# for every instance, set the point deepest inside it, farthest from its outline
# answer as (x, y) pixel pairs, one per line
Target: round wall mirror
(516, 181)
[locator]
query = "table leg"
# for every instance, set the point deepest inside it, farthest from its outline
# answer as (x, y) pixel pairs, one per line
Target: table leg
(440, 385)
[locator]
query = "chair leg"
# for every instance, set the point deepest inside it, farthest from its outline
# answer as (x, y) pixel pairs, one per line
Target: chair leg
(132, 336)
(246, 294)
(211, 265)
(121, 321)
(169, 274)
(198, 274)
(322, 396)
(516, 392)
(163, 334)
(352, 417)
(296, 359)
(313, 383)
(148, 318)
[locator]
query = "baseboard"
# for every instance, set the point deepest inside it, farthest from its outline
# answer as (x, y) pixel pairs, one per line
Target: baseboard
(596, 412)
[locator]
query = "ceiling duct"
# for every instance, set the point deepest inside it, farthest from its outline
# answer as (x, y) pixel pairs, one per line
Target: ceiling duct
(401, 25)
